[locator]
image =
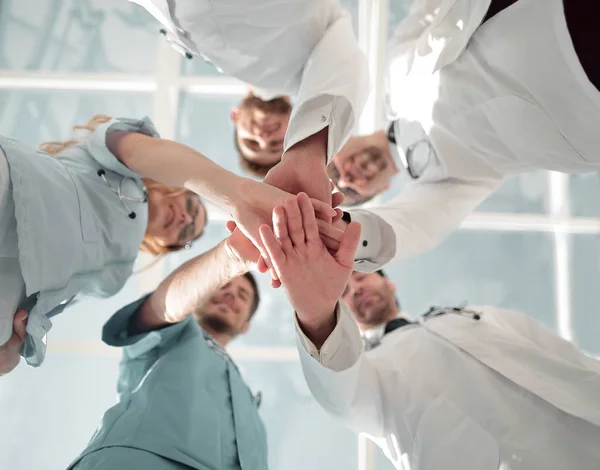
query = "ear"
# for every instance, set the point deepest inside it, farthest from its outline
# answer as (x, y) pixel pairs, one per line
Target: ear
(390, 284)
(386, 186)
(234, 115)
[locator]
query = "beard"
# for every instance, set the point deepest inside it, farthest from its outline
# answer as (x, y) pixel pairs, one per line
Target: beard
(276, 105)
(216, 324)
(374, 315)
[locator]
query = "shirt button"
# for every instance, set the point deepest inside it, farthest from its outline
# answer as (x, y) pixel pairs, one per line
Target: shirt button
(323, 118)
(163, 32)
(365, 242)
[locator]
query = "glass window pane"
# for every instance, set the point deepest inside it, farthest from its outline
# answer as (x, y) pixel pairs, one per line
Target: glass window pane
(381, 461)
(301, 434)
(585, 194)
(50, 413)
(585, 292)
(398, 12)
(37, 116)
(204, 124)
(81, 35)
(505, 269)
(525, 193)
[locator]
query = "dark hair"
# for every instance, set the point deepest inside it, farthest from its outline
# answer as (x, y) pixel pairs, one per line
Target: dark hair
(256, 299)
(255, 169)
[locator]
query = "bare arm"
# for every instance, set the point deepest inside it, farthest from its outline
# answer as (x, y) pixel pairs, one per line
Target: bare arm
(193, 283)
(175, 164)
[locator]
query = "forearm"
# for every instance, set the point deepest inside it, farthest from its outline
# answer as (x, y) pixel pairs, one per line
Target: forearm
(175, 164)
(187, 288)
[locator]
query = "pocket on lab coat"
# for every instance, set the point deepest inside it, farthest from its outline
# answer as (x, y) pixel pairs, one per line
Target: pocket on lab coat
(87, 216)
(448, 439)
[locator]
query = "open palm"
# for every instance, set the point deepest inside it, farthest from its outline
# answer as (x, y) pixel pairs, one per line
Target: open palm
(313, 277)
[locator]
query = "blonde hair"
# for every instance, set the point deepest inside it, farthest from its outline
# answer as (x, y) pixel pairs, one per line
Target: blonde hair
(149, 243)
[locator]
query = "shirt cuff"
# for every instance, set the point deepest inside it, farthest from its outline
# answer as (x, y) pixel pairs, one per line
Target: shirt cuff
(96, 142)
(342, 348)
(377, 244)
(116, 332)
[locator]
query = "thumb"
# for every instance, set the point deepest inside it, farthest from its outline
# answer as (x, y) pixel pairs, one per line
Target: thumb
(348, 245)
(20, 324)
(337, 198)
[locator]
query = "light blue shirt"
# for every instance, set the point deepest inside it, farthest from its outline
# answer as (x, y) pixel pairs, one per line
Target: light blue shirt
(181, 397)
(74, 234)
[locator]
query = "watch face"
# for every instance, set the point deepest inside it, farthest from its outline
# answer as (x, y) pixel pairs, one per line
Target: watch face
(418, 156)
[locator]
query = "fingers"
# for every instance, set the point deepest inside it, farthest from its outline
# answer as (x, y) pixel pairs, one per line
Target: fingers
(20, 324)
(339, 215)
(273, 248)
(337, 199)
(322, 208)
(261, 266)
(230, 225)
(309, 222)
(348, 245)
(328, 230)
(294, 222)
(280, 228)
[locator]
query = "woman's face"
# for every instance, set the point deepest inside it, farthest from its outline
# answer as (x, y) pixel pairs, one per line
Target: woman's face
(174, 221)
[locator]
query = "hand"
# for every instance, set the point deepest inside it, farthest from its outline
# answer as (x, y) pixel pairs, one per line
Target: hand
(10, 352)
(333, 233)
(313, 277)
(240, 249)
(303, 169)
(255, 208)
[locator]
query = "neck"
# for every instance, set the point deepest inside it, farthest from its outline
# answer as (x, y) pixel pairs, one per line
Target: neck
(222, 338)
(393, 314)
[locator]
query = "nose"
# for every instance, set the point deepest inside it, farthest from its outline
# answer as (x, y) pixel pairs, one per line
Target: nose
(185, 218)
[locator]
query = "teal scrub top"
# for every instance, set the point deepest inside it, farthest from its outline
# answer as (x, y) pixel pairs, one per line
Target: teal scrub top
(74, 234)
(181, 397)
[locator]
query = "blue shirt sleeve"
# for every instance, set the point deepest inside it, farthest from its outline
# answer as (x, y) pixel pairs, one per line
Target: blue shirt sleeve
(95, 144)
(116, 333)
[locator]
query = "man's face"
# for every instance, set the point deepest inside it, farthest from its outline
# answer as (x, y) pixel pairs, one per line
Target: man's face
(261, 127)
(363, 173)
(228, 310)
(370, 298)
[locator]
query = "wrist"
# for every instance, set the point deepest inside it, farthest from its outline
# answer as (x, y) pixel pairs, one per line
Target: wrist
(318, 326)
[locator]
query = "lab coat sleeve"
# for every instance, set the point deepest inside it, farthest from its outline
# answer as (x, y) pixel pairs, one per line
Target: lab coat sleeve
(96, 147)
(341, 377)
(334, 88)
(420, 217)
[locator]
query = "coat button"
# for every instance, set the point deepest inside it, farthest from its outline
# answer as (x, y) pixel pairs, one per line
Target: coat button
(163, 32)
(188, 55)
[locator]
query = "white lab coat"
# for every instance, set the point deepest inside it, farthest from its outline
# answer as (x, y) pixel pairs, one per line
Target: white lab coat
(492, 100)
(455, 393)
(303, 48)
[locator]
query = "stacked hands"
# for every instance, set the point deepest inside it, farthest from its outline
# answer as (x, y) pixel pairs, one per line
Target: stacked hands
(295, 231)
